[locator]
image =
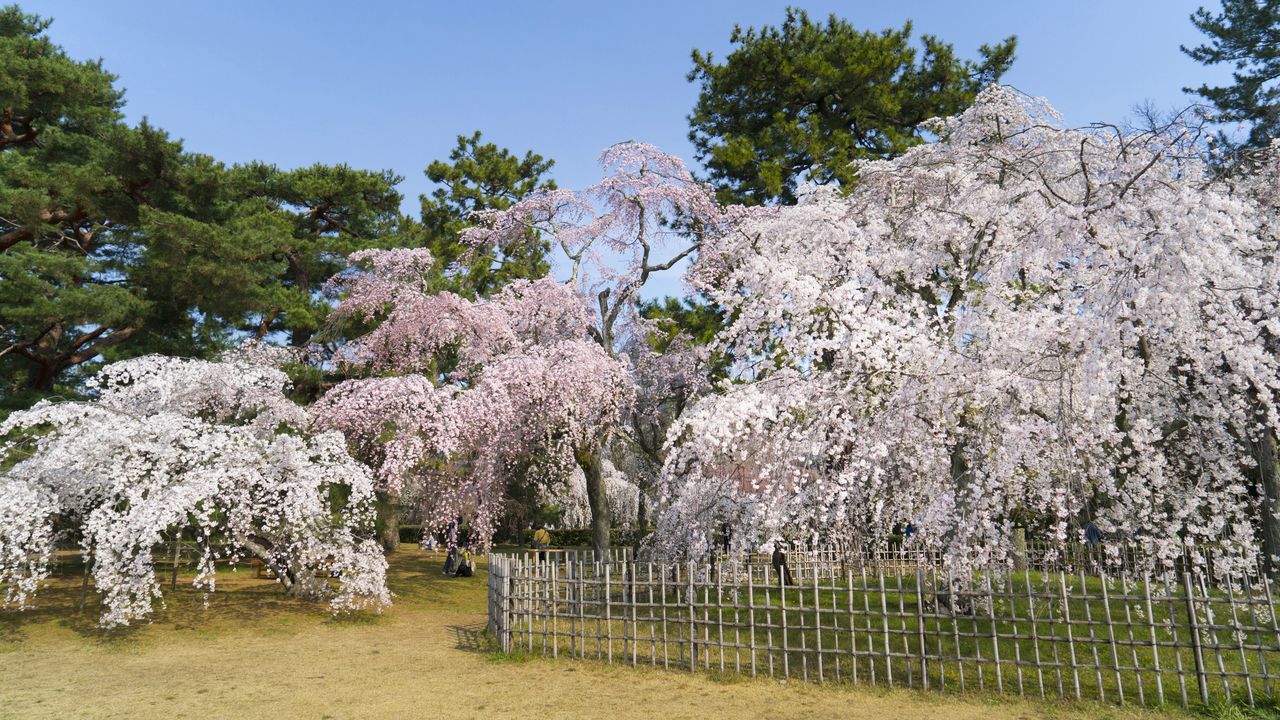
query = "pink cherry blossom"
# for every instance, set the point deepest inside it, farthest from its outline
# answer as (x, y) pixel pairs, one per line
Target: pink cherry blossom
(172, 443)
(1019, 320)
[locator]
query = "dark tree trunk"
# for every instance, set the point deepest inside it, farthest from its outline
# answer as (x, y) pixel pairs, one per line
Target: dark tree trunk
(298, 581)
(1269, 480)
(597, 499)
(388, 522)
(960, 476)
(43, 376)
(299, 337)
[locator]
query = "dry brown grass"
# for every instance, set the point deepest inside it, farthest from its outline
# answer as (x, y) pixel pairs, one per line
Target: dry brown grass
(252, 653)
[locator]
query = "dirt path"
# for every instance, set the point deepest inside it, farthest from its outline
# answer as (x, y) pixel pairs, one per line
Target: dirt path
(252, 655)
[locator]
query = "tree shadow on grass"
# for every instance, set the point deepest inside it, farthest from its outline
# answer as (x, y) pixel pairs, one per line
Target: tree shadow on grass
(240, 599)
(473, 638)
(58, 602)
(416, 579)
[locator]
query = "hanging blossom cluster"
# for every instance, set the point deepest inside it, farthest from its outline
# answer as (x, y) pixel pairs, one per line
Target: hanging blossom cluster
(472, 395)
(1019, 323)
(647, 203)
(622, 495)
(171, 444)
(669, 370)
(646, 216)
(648, 213)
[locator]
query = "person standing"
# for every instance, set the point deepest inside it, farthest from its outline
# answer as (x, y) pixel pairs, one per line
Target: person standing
(541, 540)
(780, 563)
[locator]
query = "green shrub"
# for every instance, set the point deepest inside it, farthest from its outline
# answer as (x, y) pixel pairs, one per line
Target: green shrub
(580, 537)
(410, 533)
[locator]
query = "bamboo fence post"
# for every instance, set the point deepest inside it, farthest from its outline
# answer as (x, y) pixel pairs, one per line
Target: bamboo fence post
(1155, 645)
(884, 621)
(555, 609)
(1133, 645)
(1202, 681)
(513, 603)
(995, 631)
(597, 610)
(1251, 598)
(720, 613)
(649, 612)
(517, 606)
(508, 605)
(751, 616)
(920, 629)
(529, 578)
(1071, 646)
(544, 593)
(1271, 610)
(853, 635)
(693, 633)
(1171, 611)
(1049, 595)
(1013, 624)
(706, 622)
(866, 611)
(497, 597)
(953, 602)
(782, 594)
(1211, 627)
(768, 603)
(737, 619)
(666, 653)
(979, 661)
(1111, 634)
(1035, 634)
(835, 616)
(902, 626)
(1093, 647)
(635, 627)
(608, 610)
(817, 626)
(582, 609)
(938, 634)
(804, 643)
(1235, 623)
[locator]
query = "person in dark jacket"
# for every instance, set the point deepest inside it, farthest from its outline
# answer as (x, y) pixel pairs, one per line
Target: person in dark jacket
(780, 563)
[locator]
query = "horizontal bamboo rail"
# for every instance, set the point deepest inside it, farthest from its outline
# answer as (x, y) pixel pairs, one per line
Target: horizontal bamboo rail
(900, 619)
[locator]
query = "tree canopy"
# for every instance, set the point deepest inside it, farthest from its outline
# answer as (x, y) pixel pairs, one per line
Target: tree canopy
(116, 242)
(171, 444)
(1017, 320)
(1246, 35)
(481, 176)
(802, 101)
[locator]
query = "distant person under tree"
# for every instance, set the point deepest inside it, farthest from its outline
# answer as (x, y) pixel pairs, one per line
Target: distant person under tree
(541, 540)
(780, 563)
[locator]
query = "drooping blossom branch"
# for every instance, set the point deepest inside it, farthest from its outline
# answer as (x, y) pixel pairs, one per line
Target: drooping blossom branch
(476, 394)
(172, 445)
(647, 215)
(1019, 323)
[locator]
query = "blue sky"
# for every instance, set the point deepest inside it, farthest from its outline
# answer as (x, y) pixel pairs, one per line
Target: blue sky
(390, 84)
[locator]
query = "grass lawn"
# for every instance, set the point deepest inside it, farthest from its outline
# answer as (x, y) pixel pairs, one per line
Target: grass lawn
(248, 652)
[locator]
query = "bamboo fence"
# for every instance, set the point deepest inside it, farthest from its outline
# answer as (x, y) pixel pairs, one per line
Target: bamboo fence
(898, 619)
